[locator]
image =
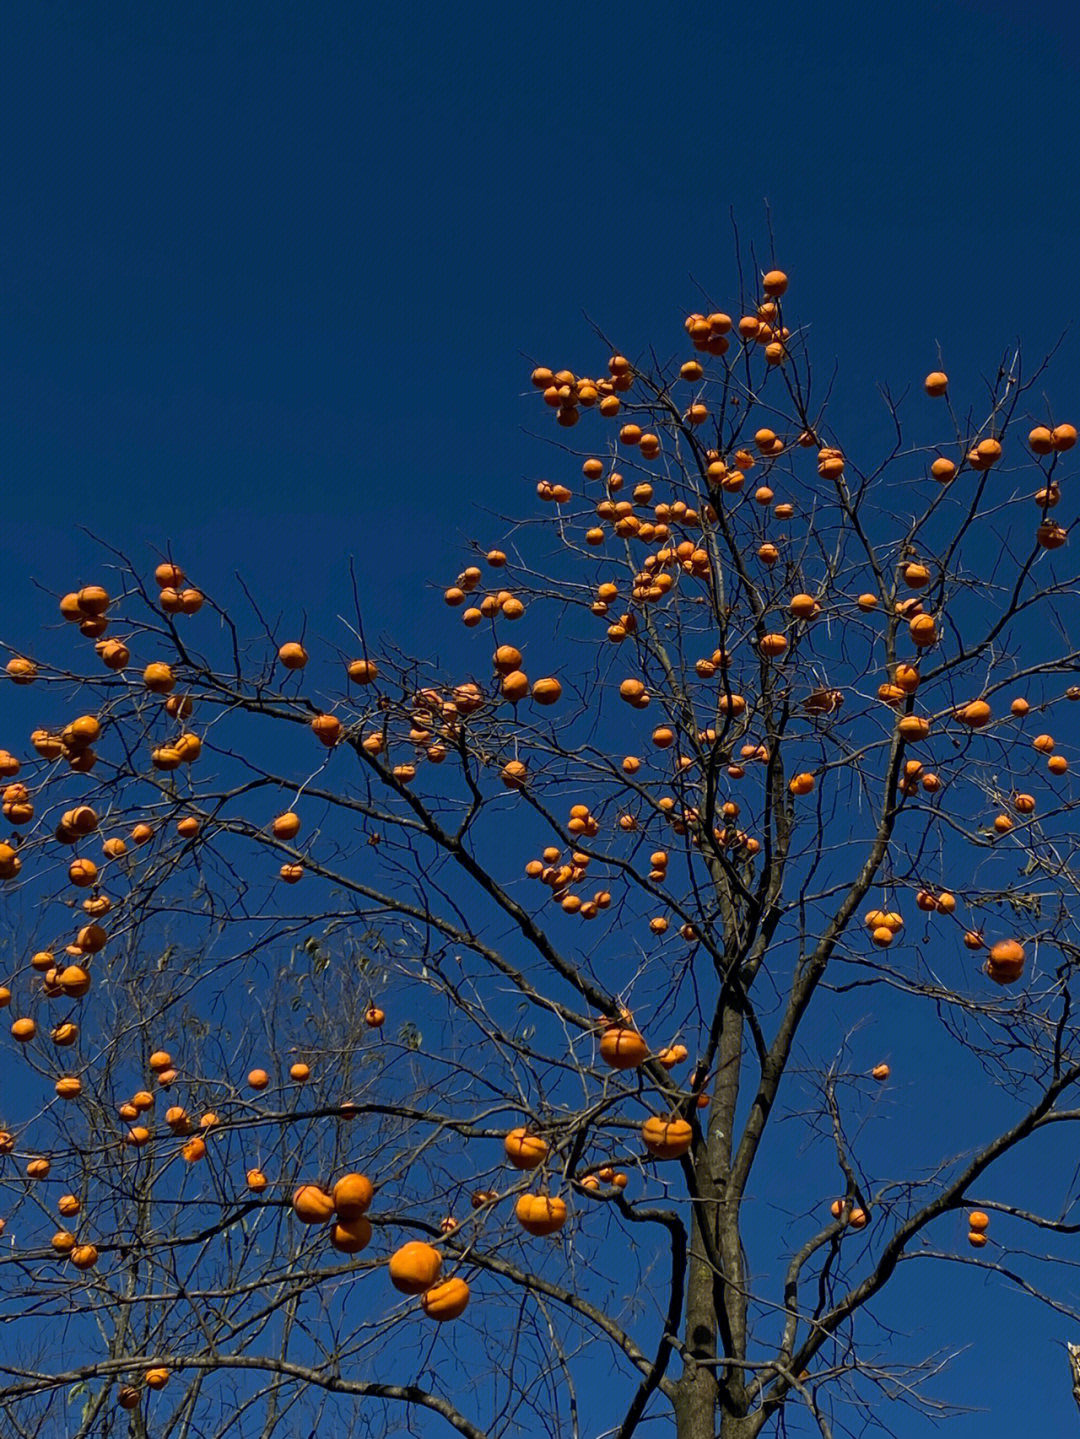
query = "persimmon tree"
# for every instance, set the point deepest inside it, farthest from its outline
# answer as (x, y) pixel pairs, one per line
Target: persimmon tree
(388, 1040)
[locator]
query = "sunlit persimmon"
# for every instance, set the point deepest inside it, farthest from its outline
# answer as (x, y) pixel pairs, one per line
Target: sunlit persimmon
(74, 981)
(286, 826)
(1041, 440)
(159, 678)
(1051, 536)
(21, 670)
(415, 1267)
(666, 1138)
(546, 691)
(923, 630)
(168, 574)
(350, 1236)
(312, 1205)
(1005, 963)
(989, 451)
(623, 1048)
(731, 704)
(525, 1150)
(540, 1214)
(114, 654)
(804, 607)
(327, 729)
(352, 1195)
(975, 714)
(830, 463)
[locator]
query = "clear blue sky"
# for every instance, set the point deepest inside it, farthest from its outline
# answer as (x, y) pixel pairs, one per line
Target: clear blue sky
(273, 277)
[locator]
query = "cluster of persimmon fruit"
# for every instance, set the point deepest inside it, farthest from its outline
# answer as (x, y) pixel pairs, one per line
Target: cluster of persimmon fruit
(639, 519)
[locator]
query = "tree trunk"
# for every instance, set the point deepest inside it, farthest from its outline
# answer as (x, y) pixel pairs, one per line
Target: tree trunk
(695, 1405)
(715, 1306)
(695, 1400)
(746, 1428)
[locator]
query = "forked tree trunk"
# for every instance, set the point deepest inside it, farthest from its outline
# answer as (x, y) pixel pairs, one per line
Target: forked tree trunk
(697, 1415)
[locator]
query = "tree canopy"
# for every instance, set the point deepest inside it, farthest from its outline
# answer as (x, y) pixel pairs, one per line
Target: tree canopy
(389, 1037)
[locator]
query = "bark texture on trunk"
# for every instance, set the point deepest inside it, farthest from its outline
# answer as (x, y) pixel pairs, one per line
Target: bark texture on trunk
(710, 1400)
(696, 1394)
(747, 1427)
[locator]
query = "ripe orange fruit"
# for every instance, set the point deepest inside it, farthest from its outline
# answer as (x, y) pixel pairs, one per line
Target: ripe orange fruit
(327, 729)
(286, 826)
(1041, 440)
(546, 691)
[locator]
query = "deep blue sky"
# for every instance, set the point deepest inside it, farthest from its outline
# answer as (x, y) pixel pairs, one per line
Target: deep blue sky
(273, 276)
(270, 272)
